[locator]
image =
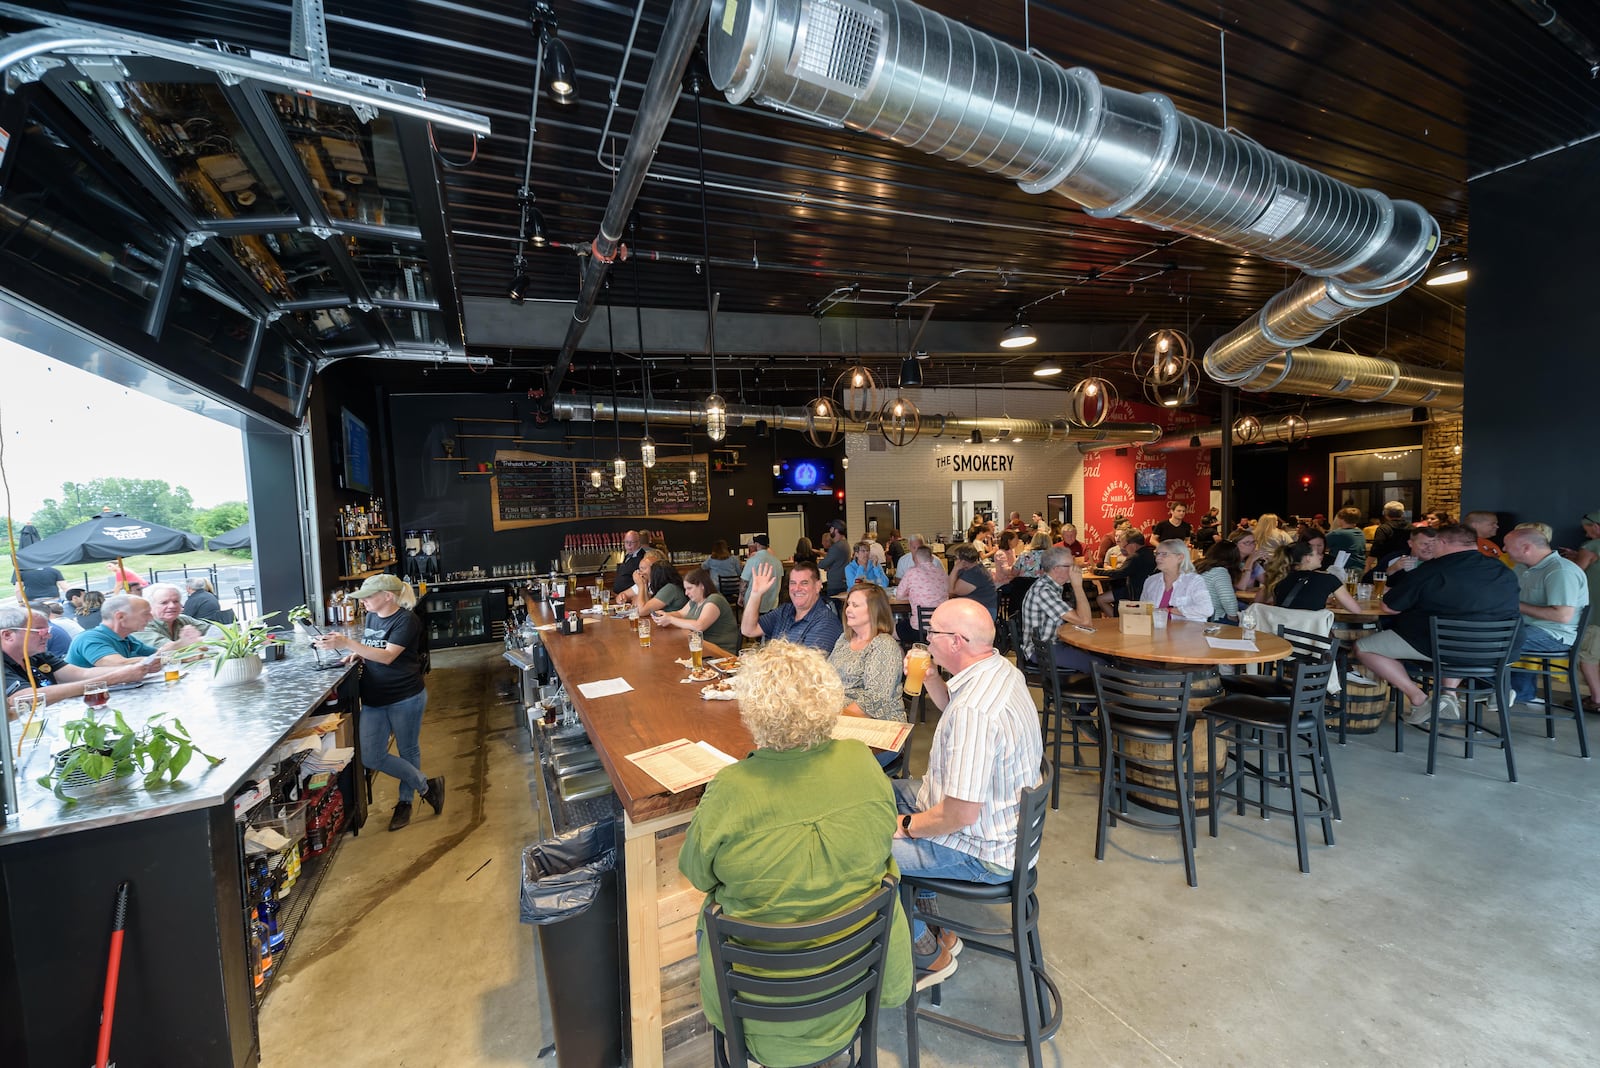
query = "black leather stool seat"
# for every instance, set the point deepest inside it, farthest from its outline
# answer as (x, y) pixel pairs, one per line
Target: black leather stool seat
(1266, 686)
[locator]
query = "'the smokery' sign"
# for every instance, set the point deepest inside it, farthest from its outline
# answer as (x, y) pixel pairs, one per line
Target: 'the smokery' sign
(988, 463)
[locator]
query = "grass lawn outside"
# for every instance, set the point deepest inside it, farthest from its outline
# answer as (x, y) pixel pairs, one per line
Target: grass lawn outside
(171, 568)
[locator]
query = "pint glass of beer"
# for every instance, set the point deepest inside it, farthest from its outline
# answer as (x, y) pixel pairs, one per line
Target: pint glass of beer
(918, 660)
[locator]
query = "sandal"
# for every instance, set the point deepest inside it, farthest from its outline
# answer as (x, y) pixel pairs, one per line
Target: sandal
(1591, 705)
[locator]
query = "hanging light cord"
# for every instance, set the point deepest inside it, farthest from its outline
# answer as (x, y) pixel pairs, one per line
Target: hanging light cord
(705, 230)
(638, 315)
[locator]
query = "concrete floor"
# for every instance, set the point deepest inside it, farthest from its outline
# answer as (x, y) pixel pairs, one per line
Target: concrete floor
(1453, 923)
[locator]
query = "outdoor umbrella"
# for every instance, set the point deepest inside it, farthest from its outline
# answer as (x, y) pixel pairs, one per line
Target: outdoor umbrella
(237, 538)
(107, 537)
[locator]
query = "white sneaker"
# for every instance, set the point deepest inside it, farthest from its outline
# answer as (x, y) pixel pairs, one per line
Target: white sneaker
(1534, 700)
(1417, 715)
(1449, 707)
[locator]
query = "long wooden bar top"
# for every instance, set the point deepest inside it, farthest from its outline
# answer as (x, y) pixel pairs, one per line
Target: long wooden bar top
(659, 708)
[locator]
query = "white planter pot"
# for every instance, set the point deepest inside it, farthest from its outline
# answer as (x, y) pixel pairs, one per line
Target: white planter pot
(237, 671)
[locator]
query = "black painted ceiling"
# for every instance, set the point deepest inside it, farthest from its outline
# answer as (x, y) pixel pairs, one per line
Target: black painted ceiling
(1413, 99)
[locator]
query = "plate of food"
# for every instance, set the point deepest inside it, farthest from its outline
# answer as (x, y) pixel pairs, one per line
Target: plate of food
(728, 665)
(702, 674)
(717, 691)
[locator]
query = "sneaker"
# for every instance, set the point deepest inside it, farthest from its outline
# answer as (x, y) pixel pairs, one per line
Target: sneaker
(1417, 715)
(1449, 707)
(401, 817)
(948, 941)
(435, 795)
(1534, 700)
(933, 968)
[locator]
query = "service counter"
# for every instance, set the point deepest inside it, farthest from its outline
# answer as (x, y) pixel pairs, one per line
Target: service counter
(185, 993)
(660, 907)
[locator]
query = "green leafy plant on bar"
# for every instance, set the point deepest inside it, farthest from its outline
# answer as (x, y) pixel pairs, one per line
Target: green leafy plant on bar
(300, 613)
(101, 747)
(235, 641)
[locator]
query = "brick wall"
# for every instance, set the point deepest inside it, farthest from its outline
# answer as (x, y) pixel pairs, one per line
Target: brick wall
(1441, 466)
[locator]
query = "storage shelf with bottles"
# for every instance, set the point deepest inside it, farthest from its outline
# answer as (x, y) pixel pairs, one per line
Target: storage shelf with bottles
(366, 541)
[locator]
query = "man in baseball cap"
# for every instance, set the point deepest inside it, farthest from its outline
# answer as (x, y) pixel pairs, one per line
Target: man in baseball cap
(760, 554)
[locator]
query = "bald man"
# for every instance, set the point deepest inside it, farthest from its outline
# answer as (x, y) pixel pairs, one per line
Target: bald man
(960, 820)
(1553, 593)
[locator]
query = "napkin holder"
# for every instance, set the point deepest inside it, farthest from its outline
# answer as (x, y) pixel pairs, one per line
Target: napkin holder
(1136, 617)
(571, 623)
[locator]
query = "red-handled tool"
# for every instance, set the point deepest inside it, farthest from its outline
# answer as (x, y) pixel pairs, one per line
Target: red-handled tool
(108, 1008)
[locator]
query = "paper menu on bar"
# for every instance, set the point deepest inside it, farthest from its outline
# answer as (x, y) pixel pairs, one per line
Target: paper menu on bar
(681, 764)
(1231, 643)
(604, 688)
(878, 733)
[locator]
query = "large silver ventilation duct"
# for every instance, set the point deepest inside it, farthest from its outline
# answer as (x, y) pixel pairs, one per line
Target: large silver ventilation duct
(746, 415)
(1349, 420)
(908, 75)
(1330, 373)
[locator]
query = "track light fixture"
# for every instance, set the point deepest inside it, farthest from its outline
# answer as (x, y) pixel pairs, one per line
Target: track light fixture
(1019, 335)
(976, 437)
(910, 373)
(520, 282)
(552, 49)
(1047, 369)
(1451, 272)
(536, 236)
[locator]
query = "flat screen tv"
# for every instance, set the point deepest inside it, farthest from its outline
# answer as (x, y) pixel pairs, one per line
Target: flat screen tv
(809, 476)
(357, 448)
(1149, 482)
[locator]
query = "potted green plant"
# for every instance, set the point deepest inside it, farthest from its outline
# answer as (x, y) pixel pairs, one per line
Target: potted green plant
(300, 616)
(235, 649)
(101, 752)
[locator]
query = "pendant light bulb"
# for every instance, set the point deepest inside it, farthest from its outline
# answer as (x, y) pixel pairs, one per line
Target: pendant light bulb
(716, 417)
(845, 463)
(595, 477)
(647, 451)
(619, 469)
(694, 474)
(776, 470)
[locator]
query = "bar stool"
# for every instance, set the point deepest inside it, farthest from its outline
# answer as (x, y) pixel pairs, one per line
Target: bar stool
(800, 971)
(1290, 731)
(1547, 666)
(1040, 998)
(1144, 715)
(1069, 713)
(1479, 653)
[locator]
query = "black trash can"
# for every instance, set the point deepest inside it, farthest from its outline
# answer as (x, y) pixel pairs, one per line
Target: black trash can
(569, 889)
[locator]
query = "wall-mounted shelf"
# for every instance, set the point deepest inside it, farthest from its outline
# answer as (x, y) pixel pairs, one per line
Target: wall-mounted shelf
(357, 537)
(359, 575)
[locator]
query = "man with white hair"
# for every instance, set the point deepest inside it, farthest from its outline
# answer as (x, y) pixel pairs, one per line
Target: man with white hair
(24, 642)
(168, 625)
(201, 603)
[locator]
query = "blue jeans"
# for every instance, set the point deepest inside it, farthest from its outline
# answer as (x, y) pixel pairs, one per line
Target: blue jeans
(403, 719)
(922, 856)
(1534, 640)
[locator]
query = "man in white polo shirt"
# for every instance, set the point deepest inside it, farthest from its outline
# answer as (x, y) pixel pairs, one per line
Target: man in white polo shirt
(960, 820)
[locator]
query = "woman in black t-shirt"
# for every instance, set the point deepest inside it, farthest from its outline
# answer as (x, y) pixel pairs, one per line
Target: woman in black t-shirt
(1293, 580)
(393, 694)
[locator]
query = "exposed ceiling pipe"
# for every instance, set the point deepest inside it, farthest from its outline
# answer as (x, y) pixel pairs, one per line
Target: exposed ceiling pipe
(1346, 420)
(745, 415)
(655, 110)
(911, 76)
(1330, 373)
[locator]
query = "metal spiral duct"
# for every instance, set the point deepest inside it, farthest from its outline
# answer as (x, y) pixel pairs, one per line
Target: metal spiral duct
(908, 75)
(1349, 420)
(1328, 373)
(933, 426)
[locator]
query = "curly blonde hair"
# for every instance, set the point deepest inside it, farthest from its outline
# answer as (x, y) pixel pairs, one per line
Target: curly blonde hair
(789, 696)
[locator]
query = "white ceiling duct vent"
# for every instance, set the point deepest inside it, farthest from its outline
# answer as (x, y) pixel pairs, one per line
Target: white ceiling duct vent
(839, 43)
(1283, 213)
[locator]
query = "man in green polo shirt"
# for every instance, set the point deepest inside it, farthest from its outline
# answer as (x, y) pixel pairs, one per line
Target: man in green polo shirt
(113, 641)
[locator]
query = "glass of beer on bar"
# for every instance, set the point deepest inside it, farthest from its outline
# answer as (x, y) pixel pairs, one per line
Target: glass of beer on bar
(95, 694)
(633, 619)
(918, 660)
(169, 667)
(696, 654)
(644, 632)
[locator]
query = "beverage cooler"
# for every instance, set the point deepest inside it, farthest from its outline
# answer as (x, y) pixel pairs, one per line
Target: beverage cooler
(465, 613)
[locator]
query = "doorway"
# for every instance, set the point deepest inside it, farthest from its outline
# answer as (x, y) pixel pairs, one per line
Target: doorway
(1058, 508)
(1369, 480)
(974, 497)
(882, 517)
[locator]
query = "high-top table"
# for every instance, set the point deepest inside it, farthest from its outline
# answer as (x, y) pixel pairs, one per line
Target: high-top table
(660, 906)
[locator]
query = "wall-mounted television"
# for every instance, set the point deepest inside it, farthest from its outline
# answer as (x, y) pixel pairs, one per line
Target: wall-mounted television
(810, 476)
(357, 449)
(1149, 483)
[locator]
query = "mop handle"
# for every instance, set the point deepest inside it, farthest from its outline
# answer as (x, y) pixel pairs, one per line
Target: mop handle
(108, 1008)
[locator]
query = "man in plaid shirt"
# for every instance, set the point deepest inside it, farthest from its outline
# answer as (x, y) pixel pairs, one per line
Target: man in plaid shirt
(1048, 605)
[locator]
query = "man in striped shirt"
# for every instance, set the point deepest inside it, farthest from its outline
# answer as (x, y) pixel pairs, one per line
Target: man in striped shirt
(960, 820)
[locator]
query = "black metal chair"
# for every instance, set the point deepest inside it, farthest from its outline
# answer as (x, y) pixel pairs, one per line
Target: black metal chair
(1277, 684)
(782, 972)
(1546, 666)
(1145, 727)
(1289, 731)
(1069, 712)
(729, 588)
(1479, 653)
(1041, 1000)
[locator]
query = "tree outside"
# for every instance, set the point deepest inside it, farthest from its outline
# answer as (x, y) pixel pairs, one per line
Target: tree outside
(146, 498)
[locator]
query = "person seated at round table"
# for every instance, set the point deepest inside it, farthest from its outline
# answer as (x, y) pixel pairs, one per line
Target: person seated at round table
(969, 578)
(1175, 588)
(798, 830)
(665, 593)
(707, 611)
(1027, 565)
(1252, 560)
(868, 658)
(1005, 558)
(1219, 569)
(863, 569)
(1294, 581)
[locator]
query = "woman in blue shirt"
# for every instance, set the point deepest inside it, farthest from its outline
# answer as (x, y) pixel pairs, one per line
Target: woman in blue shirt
(862, 569)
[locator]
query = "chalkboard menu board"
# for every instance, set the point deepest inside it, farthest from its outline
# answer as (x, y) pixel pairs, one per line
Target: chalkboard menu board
(529, 489)
(604, 502)
(670, 492)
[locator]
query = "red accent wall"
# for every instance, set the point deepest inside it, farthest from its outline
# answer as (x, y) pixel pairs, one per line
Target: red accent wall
(1108, 478)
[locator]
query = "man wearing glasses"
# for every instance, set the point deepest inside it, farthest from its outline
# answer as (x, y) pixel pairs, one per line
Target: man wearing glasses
(960, 820)
(1058, 597)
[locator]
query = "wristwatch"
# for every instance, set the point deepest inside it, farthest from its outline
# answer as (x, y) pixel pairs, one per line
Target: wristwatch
(905, 824)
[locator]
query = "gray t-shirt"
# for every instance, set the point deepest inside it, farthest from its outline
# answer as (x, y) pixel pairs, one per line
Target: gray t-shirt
(1554, 581)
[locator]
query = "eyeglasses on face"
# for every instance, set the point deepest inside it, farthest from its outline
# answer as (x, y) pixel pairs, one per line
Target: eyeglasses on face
(946, 633)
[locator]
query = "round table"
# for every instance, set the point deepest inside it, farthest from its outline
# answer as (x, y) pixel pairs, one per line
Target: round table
(1181, 646)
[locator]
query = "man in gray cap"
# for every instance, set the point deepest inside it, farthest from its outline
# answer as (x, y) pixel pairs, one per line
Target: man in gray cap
(760, 554)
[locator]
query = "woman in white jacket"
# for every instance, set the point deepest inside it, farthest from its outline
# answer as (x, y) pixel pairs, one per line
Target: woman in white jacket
(1175, 588)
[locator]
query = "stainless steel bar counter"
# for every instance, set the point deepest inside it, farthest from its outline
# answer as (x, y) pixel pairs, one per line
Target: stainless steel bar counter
(185, 995)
